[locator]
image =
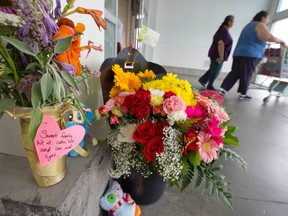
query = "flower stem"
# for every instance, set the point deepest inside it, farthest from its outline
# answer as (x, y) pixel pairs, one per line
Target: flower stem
(69, 13)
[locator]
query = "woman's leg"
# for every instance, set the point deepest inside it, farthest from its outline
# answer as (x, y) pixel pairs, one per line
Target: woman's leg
(205, 77)
(248, 67)
(232, 76)
(215, 70)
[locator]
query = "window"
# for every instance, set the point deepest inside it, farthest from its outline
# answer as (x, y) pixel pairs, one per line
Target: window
(282, 5)
(279, 29)
(110, 40)
(110, 5)
(111, 13)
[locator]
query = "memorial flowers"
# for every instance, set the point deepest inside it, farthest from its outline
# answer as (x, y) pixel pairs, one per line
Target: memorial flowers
(40, 49)
(164, 126)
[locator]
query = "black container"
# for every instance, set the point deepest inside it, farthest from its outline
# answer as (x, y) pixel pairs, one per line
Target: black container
(144, 191)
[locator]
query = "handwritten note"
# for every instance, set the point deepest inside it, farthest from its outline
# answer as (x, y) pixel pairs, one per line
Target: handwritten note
(52, 143)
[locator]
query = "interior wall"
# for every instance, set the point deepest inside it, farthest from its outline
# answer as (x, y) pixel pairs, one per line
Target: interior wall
(187, 27)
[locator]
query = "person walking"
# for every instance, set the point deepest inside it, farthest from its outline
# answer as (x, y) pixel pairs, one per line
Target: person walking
(219, 52)
(248, 52)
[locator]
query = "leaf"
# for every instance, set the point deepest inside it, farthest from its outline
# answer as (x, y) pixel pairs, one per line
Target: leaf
(194, 157)
(69, 79)
(231, 129)
(231, 140)
(6, 103)
(36, 119)
(56, 91)
(64, 89)
(63, 44)
(23, 47)
(57, 86)
(32, 65)
(36, 95)
(46, 84)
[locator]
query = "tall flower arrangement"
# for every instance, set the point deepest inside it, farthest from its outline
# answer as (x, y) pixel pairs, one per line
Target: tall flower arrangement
(164, 126)
(40, 49)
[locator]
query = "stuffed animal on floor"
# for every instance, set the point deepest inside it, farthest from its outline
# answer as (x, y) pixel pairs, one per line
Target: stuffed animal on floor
(118, 203)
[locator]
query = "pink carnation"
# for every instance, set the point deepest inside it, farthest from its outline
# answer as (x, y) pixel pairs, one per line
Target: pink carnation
(173, 104)
(109, 105)
(221, 114)
(213, 95)
(205, 102)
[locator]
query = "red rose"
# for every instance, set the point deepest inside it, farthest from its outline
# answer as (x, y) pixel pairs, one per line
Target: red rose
(102, 110)
(154, 146)
(168, 94)
(144, 132)
(159, 128)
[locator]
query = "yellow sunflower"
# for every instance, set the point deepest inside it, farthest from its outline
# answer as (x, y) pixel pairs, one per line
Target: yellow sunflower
(125, 81)
(148, 75)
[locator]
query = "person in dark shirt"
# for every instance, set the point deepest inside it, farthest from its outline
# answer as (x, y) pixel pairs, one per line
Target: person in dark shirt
(219, 52)
(248, 52)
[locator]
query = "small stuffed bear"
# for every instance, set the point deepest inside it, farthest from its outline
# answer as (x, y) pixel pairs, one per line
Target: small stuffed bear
(118, 203)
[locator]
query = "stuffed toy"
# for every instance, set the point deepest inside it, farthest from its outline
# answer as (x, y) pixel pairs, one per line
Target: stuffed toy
(118, 203)
(74, 118)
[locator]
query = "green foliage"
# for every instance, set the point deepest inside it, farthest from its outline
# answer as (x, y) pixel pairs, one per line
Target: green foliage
(194, 157)
(62, 45)
(209, 177)
(183, 126)
(36, 95)
(36, 119)
(23, 47)
(46, 83)
(229, 138)
(229, 154)
(5, 103)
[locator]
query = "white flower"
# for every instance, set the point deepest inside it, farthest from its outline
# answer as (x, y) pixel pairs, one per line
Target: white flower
(176, 116)
(126, 132)
(156, 92)
(10, 19)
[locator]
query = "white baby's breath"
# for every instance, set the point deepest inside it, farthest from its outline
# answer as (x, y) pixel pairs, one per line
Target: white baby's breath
(169, 161)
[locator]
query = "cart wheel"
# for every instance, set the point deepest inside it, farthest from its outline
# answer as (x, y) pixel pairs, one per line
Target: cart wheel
(266, 99)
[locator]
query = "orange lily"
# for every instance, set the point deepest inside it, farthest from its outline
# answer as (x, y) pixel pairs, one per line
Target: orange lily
(96, 15)
(72, 54)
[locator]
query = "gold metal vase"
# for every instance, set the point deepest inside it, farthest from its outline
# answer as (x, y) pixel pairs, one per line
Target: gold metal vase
(53, 172)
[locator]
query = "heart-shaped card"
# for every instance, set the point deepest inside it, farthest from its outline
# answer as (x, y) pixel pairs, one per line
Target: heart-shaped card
(52, 143)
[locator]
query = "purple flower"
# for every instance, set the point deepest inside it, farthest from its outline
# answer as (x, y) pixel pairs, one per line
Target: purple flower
(57, 11)
(67, 67)
(45, 6)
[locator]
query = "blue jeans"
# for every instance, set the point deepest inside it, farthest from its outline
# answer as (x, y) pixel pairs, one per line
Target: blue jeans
(211, 75)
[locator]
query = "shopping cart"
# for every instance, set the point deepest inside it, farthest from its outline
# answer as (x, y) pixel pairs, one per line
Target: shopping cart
(275, 67)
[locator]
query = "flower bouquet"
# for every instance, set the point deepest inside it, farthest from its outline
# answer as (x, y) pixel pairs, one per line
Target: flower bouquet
(40, 56)
(41, 74)
(164, 126)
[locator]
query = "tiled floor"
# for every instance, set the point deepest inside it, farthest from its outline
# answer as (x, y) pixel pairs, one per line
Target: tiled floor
(263, 134)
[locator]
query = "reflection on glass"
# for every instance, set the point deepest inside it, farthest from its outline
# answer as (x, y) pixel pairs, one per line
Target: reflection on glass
(279, 29)
(282, 5)
(110, 40)
(110, 5)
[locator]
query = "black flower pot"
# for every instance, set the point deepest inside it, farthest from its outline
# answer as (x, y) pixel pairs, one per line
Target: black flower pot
(144, 191)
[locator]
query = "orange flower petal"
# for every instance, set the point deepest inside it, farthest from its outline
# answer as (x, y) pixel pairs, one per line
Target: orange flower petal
(80, 27)
(64, 31)
(65, 21)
